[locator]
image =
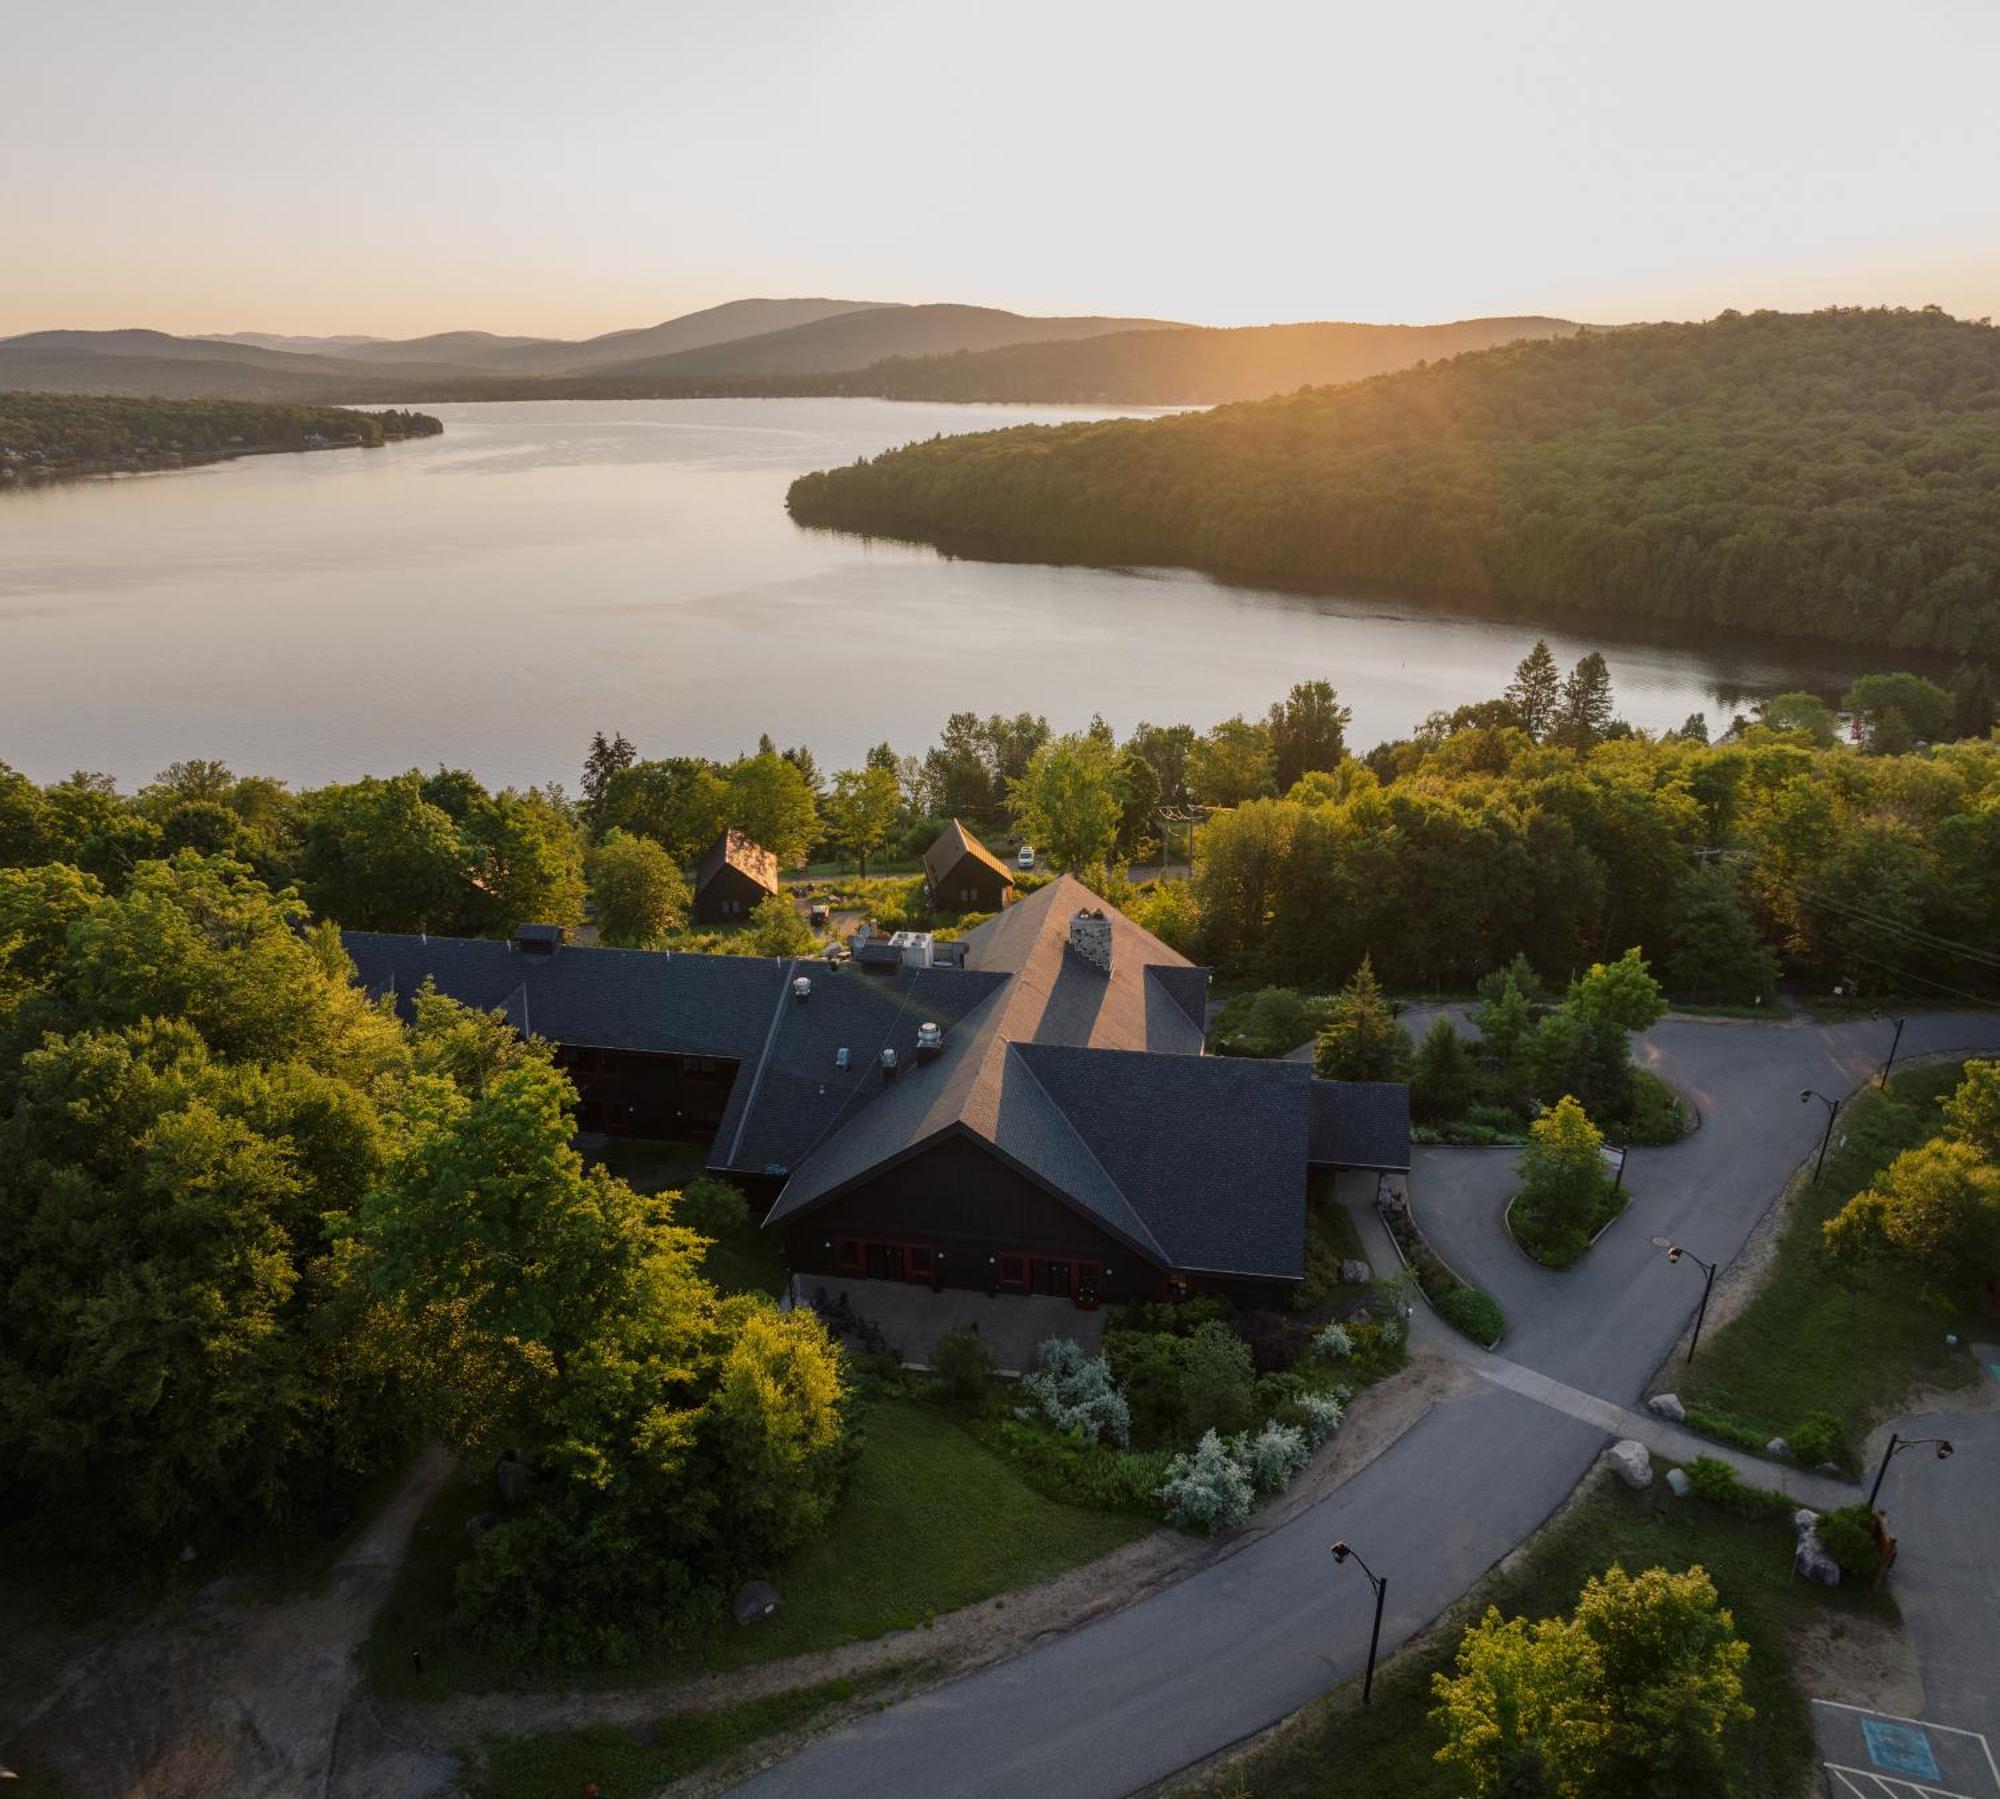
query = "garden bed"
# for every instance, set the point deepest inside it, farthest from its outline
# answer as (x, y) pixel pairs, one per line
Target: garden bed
(1466, 1308)
(1530, 1245)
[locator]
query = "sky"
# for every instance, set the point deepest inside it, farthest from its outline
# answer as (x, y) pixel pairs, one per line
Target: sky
(578, 166)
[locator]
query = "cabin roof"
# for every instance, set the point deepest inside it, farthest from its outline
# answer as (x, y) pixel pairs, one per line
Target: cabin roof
(734, 849)
(953, 844)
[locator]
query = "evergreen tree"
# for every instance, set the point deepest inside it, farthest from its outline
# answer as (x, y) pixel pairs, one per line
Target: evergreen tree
(1441, 1076)
(1716, 956)
(1972, 700)
(604, 760)
(1362, 1040)
(1583, 714)
(1308, 731)
(1536, 690)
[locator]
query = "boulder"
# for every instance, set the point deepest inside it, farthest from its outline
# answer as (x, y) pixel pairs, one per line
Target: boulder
(1355, 1274)
(1830, 1468)
(1779, 1448)
(1634, 1465)
(1678, 1483)
(1667, 1406)
(754, 1599)
(1810, 1557)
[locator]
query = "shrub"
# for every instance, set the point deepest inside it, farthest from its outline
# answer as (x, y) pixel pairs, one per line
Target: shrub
(1726, 1429)
(962, 1370)
(1177, 1318)
(1333, 1344)
(1267, 1023)
(1206, 1490)
(1217, 1381)
(1074, 1392)
(712, 1207)
(1273, 1456)
(1148, 1366)
(1075, 1472)
(1714, 1480)
(1273, 1343)
(1565, 1192)
(1475, 1313)
(1849, 1537)
(1321, 1414)
(1817, 1437)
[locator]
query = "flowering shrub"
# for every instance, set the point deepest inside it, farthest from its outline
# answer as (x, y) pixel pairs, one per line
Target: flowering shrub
(1074, 1392)
(1392, 1332)
(1333, 1344)
(1207, 1490)
(1272, 1456)
(1322, 1413)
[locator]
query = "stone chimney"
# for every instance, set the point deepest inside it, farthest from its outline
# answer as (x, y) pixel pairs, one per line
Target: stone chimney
(1090, 938)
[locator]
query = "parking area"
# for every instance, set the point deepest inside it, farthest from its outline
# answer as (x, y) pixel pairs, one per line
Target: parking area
(1877, 1755)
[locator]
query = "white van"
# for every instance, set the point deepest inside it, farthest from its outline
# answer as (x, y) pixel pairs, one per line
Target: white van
(1026, 858)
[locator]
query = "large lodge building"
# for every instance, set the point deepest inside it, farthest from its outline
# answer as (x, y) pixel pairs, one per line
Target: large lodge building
(1033, 1115)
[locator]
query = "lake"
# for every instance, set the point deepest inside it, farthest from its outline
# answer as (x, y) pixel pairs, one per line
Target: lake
(489, 598)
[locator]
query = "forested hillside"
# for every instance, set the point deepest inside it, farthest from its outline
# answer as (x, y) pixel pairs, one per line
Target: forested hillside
(1832, 475)
(54, 433)
(1190, 365)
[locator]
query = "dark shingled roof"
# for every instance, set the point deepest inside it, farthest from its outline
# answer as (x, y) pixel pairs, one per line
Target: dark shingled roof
(744, 854)
(954, 843)
(1360, 1124)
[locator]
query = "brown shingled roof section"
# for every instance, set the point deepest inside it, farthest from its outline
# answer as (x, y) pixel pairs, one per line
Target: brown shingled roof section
(742, 853)
(954, 843)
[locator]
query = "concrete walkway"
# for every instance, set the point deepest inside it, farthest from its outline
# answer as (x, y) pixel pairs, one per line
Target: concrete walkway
(1127, 1701)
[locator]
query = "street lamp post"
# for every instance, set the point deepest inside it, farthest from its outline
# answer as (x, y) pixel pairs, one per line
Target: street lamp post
(1826, 1137)
(1893, 1047)
(1674, 1254)
(1896, 1446)
(1380, 1582)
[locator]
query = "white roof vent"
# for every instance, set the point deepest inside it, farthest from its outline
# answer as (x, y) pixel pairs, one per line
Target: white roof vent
(840, 1057)
(802, 989)
(888, 1063)
(930, 1039)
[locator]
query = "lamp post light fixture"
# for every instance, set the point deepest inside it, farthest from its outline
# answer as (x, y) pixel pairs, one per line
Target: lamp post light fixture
(1806, 1095)
(1893, 1047)
(1942, 1446)
(1674, 1254)
(1380, 1582)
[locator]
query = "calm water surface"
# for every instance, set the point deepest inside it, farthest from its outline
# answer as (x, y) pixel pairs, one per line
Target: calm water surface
(489, 598)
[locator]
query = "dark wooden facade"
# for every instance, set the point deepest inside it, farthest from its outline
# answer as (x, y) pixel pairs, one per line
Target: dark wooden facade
(628, 1093)
(971, 885)
(728, 896)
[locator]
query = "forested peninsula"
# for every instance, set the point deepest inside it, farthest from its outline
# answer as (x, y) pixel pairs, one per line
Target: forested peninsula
(48, 435)
(1833, 475)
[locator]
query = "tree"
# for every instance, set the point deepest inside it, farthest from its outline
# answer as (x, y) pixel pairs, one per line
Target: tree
(862, 811)
(777, 928)
(1232, 763)
(1308, 731)
(1521, 1715)
(1503, 1023)
(1165, 750)
(1565, 1190)
(1972, 710)
(1536, 691)
(1621, 993)
(681, 804)
(1138, 799)
(1694, 728)
(1972, 1114)
(1362, 1040)
(1068, 801)
(1716, 955)
(378, 856)
(773, 802)
(1218, 1380)
(958, 773)
(1936, 1206)
(1583, 714)
(604, 760)
(712, 1207)
(962, 1369)
(525, 864)
(1805, 712)
(637, 891)
(1927, 708)
(1011, 744)
(1441, 1076)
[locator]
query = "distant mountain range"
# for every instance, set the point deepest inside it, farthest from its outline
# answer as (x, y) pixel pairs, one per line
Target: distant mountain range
(789, 346)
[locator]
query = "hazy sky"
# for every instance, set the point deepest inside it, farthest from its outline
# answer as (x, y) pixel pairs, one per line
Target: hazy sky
(572, 166)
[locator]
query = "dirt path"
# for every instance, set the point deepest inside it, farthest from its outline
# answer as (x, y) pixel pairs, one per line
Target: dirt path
(242, 1702)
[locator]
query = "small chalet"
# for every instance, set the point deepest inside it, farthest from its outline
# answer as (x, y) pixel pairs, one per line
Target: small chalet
(962, 875)
(733, 877)
(1036, 1117)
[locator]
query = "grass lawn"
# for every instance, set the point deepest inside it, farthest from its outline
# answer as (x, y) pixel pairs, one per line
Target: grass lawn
(932, 1521)
(1817, 1338)
(1387, 1749)
(629, 1764)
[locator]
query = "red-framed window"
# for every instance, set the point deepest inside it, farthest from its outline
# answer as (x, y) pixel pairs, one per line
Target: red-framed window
(1089, 1284)
(1014, 1273)
(850, 1255)
(919, 1262)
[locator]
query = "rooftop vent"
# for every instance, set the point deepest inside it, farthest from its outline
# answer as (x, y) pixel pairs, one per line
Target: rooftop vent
(840, 1057)
(930, 1040)
(538, 939)
(802, 989)
(1090, 938)
(888, 1064)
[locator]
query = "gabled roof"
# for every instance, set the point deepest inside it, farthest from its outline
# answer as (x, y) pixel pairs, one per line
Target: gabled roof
(744, 854)
(1360, 1124)
(954, 843)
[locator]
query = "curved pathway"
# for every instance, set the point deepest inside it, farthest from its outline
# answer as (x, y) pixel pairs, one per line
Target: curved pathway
(1129, 1700)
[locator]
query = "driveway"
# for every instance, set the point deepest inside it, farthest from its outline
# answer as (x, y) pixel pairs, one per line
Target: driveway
(1126, 1701)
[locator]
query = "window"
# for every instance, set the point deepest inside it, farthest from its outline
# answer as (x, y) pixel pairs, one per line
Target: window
(1177, 1286)
(919, 1262)
(850, 1255)
(1014, 1272)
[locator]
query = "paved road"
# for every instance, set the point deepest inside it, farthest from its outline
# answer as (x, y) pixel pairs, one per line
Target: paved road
(1946, 1519)
(1126, 1701)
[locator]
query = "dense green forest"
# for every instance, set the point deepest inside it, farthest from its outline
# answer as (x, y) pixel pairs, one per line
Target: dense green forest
(52, 433)
(1832, 475)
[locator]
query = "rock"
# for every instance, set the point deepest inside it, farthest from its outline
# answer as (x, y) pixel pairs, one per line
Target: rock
(513, 1477)
(1678, 1483)
(1779, 1448)
(754, 1599)
(1356, 1274)
(477, 1526)
(1810, 1558)
(1832, 1468)
(187, 1552)
(1634, 1465)
(1667, 1406)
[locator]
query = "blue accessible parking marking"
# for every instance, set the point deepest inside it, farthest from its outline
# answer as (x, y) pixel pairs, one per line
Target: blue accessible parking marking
(1901, 1748)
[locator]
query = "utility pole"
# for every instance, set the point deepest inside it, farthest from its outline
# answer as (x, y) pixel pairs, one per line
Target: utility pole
(1826, 1137)
(1893, 1047)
